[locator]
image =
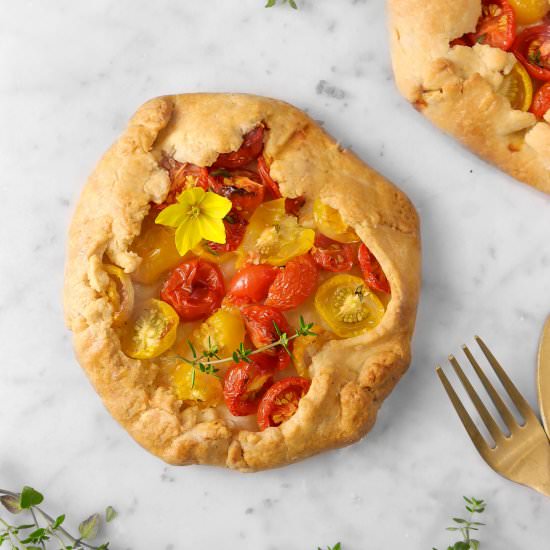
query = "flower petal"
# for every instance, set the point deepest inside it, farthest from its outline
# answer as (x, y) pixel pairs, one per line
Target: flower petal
(173, 215)
(211, 229)
(192, 196)
(215, 205)
(188, 235)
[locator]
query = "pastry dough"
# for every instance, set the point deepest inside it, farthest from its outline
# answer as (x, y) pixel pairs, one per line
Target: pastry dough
(350, 378)
(456, 86)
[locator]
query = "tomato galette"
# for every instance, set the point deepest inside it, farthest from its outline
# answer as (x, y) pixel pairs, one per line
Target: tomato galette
(242, 290)
(480, 70)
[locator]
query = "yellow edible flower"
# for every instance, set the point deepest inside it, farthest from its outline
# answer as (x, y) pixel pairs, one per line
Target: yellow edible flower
(197, 215)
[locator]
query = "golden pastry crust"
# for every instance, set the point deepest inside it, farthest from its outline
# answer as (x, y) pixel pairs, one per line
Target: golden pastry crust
(456, 87)
(350, 378)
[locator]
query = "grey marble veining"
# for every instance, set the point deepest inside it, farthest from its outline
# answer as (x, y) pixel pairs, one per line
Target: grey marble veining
(72, 74)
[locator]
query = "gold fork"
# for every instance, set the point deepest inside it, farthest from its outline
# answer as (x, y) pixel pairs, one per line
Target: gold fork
(522, 456)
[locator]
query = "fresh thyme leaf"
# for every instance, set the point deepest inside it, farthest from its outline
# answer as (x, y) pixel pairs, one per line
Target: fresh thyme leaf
(291, 3)
(110, 514)
(209, 249)
(58, 521)
(192, 348)
(481, 38)
(89, 527)
(29, 497)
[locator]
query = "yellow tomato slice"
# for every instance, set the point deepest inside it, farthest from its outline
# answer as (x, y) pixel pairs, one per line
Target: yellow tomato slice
(529, 11)
(197, 386)
(120, 293)
(151, 331)
(157, 248)
(330, 223)
(348, 306)
(518, 88)
(223, 331)
(274, 237)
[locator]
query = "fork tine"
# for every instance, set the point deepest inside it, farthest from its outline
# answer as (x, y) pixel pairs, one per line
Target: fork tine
(518, 399)
(488, 420)
(476, 437)
(502, 408)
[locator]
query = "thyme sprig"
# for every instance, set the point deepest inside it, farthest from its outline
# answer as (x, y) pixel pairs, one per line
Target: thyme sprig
(291, 3)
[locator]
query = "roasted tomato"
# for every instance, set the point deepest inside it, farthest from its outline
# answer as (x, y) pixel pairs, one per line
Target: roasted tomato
(274, 237)
(251, 283)
(460, 41)
(532, 48)
(541, 102)
(293, 206)
(199, 387)
(243, 387)
(496, 26)
(372, 271)
(281, 400)
(267, 180)
(151, 330)
(263, 325)
(529, 11)
(157, 248)
(348, 306)
(245, 194)
(195, 289)
(518, 88)
(252, 146)
(120, 293)
(332, 255)
(330, 223)
(293, 284)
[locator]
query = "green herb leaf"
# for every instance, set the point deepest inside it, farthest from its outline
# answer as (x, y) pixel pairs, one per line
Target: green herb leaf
(11, 504)
(58, 521)
(110, 514)
(222, 171)
(89, 527)
(29, 497)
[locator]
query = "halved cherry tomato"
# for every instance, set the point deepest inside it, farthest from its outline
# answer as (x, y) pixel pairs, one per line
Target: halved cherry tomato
(195, 289)
(281, 400)
(262, 324)
(151, 331)
(252, 146)
(157, 248)
(517, 87)
(251, 283)
(243, 387)
(529, 11)
(293, 284)
(348, 306)
(532, 48)
(120, 293)
(332, 255)
(235, 228)
(274, 237)
(330, 223)
(200, 387)
(372, 271)
(496, 26)
(541, 102)
(245, 194)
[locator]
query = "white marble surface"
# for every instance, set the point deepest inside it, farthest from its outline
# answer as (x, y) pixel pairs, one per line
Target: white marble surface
(72, 73)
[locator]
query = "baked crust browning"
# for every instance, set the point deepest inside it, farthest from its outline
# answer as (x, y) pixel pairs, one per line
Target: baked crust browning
(456, 86)
(350, 378)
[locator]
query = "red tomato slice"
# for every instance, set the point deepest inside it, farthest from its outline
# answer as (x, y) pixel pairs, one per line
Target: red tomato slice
(293, 284)
(251, 283)
(372, 271)
(532, 48)
(332, 255)
(496, 26)
(245, 194)
(252, 146)
(195, 289)
(281, 400)
(243, 387)
(541, 101)
(235, 228)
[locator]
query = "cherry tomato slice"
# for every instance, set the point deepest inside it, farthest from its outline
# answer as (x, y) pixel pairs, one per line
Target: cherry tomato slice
(332, 255)
(251, 283)
(243, 387)
(294, 284)
(281, 400)
(372, 271)
(529, 11)
(496, 26)
(235, 228)
(195, 289)
(252, 146)
(245, 194)
(120, 293)
(532, 48)
(541, 101)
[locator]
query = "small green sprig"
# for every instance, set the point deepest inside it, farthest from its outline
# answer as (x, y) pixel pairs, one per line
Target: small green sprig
(45, 529)
(466, 526)
(337, 546)
(291, 3)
